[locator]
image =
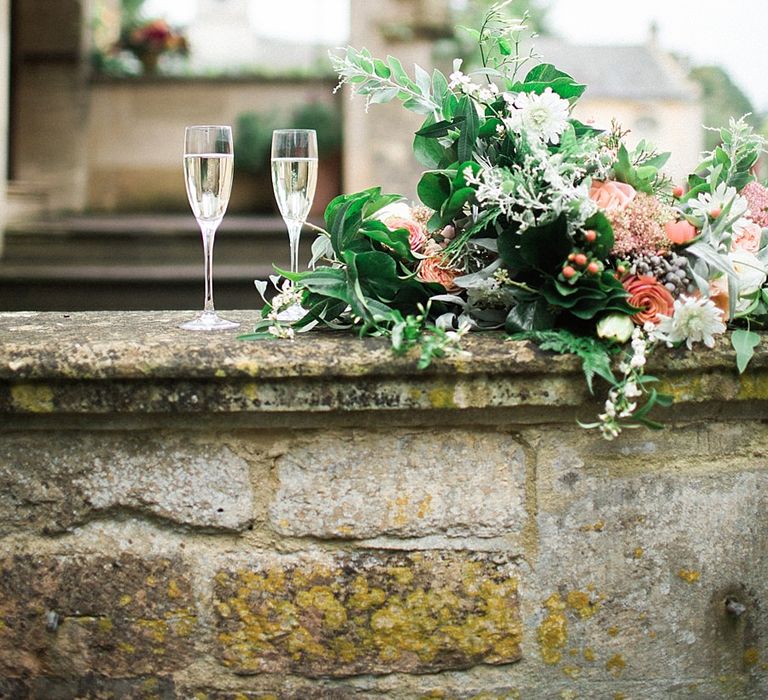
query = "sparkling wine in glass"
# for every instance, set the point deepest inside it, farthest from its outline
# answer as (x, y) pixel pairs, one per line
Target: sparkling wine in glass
(208, 168)
(294, 178)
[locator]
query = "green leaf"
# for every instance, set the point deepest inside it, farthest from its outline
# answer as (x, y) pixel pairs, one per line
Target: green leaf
(455, 204)
(433, 189)
(545, 73)
(440, 128)
(529, 315)
(605, 239)
(744, 343)
(469, 128)
(397, 240)
(542, 248)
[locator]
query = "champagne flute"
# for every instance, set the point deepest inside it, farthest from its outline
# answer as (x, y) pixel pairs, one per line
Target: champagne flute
(208, 169)
(294, 178)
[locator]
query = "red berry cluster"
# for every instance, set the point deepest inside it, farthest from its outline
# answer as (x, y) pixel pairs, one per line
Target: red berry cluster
(580, 263)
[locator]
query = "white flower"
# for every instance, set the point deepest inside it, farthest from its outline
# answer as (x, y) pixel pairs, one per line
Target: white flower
(543, 117)
(751, 274)
(707, 202)
(693, 320)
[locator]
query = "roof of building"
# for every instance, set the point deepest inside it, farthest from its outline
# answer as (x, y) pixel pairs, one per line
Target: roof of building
(625, 72)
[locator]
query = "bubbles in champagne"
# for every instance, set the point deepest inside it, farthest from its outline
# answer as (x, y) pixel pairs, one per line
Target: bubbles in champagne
(208, 177)
(294, 181)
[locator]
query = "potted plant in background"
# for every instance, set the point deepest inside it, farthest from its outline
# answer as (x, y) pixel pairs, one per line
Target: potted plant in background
(150, 39)
(252, 187)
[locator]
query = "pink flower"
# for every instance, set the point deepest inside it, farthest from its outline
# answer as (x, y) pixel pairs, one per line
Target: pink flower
(757, 198)
(680, 232)
(433, 270)
(610, 195)
(417, 234)
(719, 295)
(748, 238)
(639, 228)
(648, 294)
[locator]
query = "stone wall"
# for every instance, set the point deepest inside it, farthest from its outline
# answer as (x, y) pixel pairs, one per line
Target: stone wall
(192, 516)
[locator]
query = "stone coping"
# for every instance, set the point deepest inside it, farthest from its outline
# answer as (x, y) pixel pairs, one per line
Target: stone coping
(140, 362)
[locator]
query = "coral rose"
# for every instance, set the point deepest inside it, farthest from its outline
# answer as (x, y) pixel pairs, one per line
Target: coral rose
(680, 232)
(653, 298)
(417, 234)
(610, 195)
(719, 295)
(748, 237)
(433, 270)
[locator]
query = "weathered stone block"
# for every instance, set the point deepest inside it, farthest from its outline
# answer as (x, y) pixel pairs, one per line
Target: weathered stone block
(68, 617)
(666, 526)
(369, 613)
(367, 484)
(70, 477)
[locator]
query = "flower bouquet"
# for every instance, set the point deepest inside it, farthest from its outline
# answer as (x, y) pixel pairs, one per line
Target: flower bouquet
(150, 39)
(533, 222)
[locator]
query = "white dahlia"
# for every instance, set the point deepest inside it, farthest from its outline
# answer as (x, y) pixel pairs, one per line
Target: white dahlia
(543, 116)
(693, 320)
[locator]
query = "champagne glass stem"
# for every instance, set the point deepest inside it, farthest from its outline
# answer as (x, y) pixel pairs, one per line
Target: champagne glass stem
(294, 233)
(209, 233)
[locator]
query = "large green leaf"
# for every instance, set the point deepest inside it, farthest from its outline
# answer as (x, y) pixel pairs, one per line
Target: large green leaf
(542, 248)
(397, 240)
(530, 314)
(469, 128)
(605, 239)
(433, 189)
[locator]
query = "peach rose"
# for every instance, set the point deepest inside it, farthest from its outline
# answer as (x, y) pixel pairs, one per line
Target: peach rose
(610, 195)
(718, 294)
(647, 293)
(433, 270)
(417, 234)
(748, 238)
(680, 232)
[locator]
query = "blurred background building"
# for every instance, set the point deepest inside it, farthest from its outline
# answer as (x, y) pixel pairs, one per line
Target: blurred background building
(97, 92)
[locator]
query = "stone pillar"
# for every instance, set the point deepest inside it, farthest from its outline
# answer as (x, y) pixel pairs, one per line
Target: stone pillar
(5, 36)
(378, 143)
(49, 135)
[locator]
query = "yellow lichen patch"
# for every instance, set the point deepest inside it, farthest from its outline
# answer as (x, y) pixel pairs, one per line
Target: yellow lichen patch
(619, 696)
(105, 624)
(425, 506)
(151, 581)
(124, 600)
(689, 575)
(580, 603)
(402, 574)
(753, 386)
(589, 655)
(572, 671)
(396, 610)
(400, 507)
(613, 631)
(616, 664)
(599, 526)
(158, 629)
(638, 553)
(126, 648)
(553, 630)
(322, 599)
(751, 656)
(32, 398)
(442, 398)
(173, 589)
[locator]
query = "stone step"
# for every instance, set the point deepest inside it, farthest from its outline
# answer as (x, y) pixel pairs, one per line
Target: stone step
(136, 262)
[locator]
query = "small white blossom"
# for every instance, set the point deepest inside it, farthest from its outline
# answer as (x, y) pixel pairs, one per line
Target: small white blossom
(693, 320)
(708, 202)
(542, 117)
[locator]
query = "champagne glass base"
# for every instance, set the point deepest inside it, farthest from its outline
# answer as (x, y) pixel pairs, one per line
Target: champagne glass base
(209, 321)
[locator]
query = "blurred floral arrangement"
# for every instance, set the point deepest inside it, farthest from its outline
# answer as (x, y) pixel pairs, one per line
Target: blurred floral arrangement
(150, 39)
(536, 223)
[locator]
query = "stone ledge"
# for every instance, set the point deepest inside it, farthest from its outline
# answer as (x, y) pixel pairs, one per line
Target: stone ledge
(140, 362)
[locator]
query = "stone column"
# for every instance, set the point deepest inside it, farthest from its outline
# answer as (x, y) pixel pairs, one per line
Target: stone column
(5, 36)
(378, 143)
